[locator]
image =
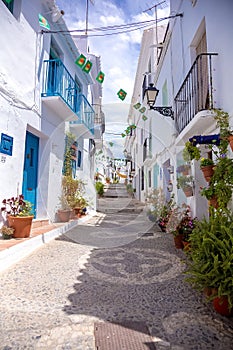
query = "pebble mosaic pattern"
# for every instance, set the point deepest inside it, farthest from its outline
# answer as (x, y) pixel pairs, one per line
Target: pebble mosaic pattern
(51, 299)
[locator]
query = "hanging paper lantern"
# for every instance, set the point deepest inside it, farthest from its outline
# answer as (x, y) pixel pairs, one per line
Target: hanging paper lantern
(144, 117)
(100, 77)
(142, 110)
(43, 22)
(87, 67)
(122, 94)
(81, 60)
(137, 105)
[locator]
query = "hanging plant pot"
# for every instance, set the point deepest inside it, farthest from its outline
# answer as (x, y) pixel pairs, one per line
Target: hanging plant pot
(188, 191)
(21, 224)
(214, 202)
(184, 169)
(221, 305)
(230, 139)
(208, 172)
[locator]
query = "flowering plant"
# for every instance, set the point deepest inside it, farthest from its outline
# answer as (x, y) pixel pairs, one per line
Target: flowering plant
(206, 162)
(180, 221)
(17, 206)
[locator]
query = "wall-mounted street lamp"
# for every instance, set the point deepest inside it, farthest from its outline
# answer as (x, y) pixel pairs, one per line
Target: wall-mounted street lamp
(151, 94)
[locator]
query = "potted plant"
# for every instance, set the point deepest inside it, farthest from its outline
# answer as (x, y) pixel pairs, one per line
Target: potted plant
(186, 184)
(164, 213)
(211, 258)
(7, 232)
(107, 180)
(64, 211)
(184, 169)
(207, 167)
(19, 215)
(99, 186)
(222, 120)
(191, 152)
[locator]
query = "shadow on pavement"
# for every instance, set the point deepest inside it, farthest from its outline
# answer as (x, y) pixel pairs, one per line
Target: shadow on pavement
(143, 281)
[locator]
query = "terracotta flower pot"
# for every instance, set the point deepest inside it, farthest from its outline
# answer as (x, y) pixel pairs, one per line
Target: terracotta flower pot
(178, 240)
(230, 139)
(208, 172)
(214, 202)
(63, 215)
(188, 191)
(21, 224)
(186, 245)
(221, 305)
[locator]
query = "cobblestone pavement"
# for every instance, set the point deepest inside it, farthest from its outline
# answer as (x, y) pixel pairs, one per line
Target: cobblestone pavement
(52, 298)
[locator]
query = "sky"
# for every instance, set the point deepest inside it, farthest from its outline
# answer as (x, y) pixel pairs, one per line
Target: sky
(119, 52)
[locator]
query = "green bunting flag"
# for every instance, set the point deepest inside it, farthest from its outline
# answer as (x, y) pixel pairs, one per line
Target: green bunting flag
(43, 22)
(133, 126)
(122, 94)
(142, 110)
(87, 66)
(111, 144)
(123, 135)
(144, 117)
(100, 77)
(137, 105)
(81, 60)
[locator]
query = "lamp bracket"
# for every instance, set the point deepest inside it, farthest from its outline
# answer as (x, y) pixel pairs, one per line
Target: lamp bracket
(166, 111)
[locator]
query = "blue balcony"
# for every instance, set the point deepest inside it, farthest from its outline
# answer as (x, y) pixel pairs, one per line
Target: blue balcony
(61, 94)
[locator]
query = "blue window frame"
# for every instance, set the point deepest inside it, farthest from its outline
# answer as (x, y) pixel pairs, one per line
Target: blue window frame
(6, 145)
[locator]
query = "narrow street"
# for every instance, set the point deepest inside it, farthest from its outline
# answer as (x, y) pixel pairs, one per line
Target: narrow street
(113, 283)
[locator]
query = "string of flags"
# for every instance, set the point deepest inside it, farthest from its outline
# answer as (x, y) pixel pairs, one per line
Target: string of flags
(86, 64)
(122, 94)
(42, 21)
(128, 130)
(141, 110)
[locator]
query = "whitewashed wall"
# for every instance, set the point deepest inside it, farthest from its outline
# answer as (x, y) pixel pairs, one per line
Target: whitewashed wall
(21, 109)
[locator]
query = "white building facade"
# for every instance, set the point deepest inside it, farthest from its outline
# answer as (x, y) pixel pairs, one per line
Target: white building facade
(43, 95)
(193, 75)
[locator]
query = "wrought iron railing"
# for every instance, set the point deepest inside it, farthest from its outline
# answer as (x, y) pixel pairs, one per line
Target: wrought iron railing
(85, 113)
(196, 92)
(59, 82)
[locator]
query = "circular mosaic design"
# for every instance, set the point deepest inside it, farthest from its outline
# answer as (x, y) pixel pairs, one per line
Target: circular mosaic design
(135, 266)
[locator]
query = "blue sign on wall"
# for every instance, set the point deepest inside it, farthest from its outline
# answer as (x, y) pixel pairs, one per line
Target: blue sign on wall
(6, 145)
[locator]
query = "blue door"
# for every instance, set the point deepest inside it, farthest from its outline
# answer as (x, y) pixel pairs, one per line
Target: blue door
(30, 169)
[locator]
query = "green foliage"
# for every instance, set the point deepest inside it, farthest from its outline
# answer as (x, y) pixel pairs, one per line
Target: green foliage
(221, 184)
(67, 165)
(206, 162)
(191, 152)
(184, 181)
(72, 193)
(211, 255)
(99, 186)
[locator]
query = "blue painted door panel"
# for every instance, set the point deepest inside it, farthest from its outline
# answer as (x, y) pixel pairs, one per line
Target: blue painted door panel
(31, 169)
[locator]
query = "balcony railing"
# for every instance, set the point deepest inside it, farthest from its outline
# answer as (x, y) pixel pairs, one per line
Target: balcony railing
(58, 82)
(196, 92)
(85, 113)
